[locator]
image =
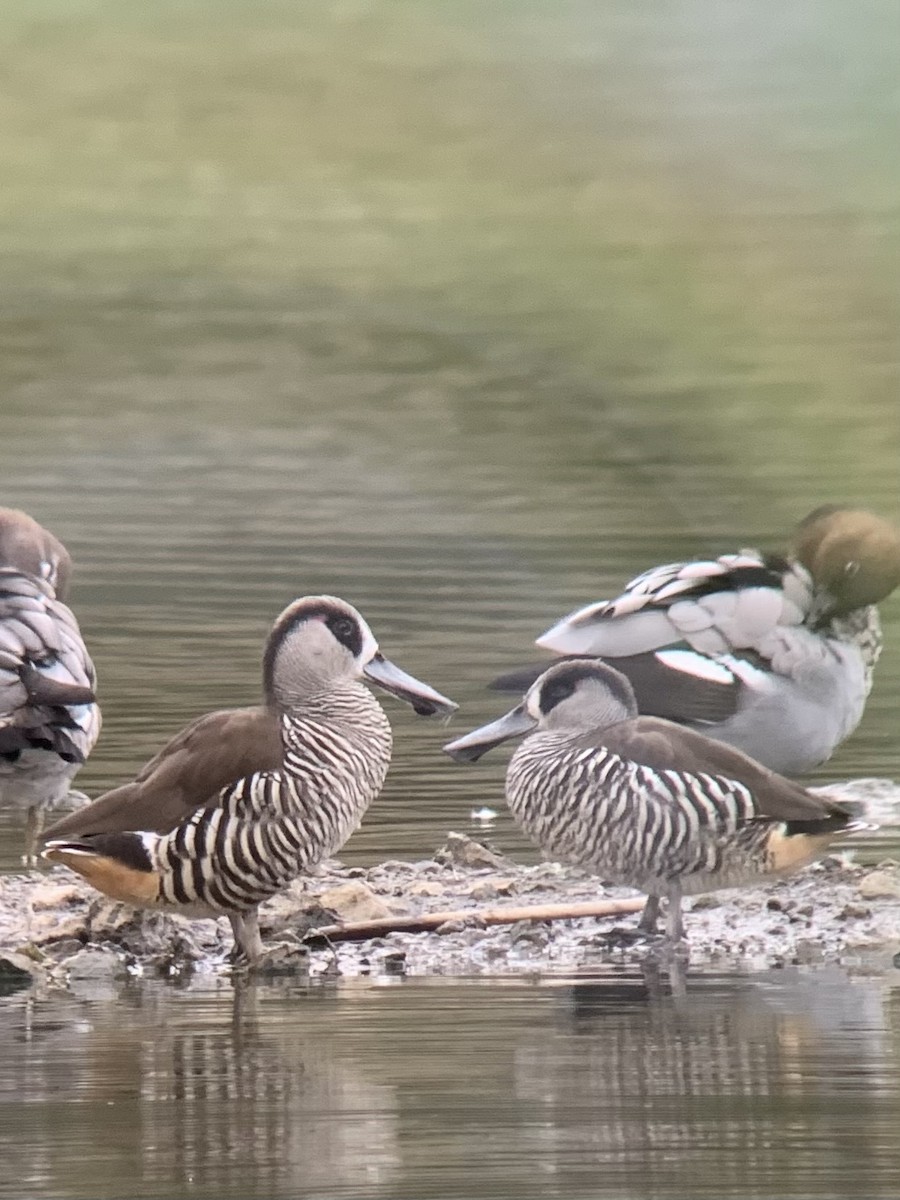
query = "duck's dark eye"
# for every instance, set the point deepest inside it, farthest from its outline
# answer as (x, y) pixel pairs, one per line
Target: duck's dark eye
(347, 632)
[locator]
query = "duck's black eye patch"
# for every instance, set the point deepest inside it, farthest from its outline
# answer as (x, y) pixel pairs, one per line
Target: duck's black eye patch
(347, 632)
(555, 692)
(342, 626)
(565, 681)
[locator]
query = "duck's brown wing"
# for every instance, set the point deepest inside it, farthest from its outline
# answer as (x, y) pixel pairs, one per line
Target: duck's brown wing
(188, 773)
(664, 746)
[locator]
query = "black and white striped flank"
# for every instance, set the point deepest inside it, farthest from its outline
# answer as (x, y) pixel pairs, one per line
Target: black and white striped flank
(267, 829)
(633, 824)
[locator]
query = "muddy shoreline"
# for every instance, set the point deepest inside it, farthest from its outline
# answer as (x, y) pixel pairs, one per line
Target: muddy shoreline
(55, 930)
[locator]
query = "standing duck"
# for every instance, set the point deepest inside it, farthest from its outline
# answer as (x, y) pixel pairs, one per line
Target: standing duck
(773, 655)
(241, 803)
(644, 802)
(49, 718)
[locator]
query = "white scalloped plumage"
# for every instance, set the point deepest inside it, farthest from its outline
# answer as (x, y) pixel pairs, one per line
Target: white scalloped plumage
(798, 636)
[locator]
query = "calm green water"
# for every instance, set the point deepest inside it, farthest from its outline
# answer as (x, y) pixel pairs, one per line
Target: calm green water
(466, 312)
(781, 1085)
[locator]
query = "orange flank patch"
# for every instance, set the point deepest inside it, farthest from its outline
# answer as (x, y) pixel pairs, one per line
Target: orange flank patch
(789, 853)
(110, 876)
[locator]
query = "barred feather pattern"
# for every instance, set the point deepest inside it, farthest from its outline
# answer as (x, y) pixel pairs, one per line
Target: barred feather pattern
(42, 744)
(634, 825)
(267, 829)
(860, 628)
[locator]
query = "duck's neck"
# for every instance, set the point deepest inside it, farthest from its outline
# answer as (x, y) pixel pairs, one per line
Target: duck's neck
(337, 751)
(861, 628)
(346, 709)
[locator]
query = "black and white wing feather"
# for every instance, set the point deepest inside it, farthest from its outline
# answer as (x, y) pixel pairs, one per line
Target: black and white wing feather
(714, 607)
(47, 679)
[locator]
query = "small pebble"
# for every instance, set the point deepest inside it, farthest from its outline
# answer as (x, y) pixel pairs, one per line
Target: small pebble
(854, 912)
(95, 964)
(394, 963)
(355, 901)
(880, 885)
(462, 851)
(424, 887)
(17, 971)
(484, 890)
(449, 927)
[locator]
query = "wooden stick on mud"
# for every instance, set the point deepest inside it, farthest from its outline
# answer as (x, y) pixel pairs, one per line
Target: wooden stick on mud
(359, 931)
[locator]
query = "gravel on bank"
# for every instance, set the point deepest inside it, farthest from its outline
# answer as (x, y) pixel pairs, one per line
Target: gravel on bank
(55, 929)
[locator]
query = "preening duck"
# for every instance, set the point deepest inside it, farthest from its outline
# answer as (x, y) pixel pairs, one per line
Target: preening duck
(772, 654)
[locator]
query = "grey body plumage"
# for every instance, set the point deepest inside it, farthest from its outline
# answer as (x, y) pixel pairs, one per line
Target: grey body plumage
(49, 718)
(644, 802)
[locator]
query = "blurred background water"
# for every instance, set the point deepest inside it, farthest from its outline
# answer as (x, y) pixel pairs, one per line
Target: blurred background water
(466, 312)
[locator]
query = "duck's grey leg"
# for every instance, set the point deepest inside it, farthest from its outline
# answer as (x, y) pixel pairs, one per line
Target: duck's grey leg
(279, 958)
(674, 921)
(247, 941)
(650, 915)
(34, 827)
(678, 965)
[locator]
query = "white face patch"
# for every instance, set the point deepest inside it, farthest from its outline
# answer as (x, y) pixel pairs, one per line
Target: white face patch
(698, 665)
(369, 644)
(532, 701)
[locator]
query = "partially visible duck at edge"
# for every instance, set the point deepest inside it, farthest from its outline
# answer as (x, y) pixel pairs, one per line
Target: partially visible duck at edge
(49, 717)
(244, 801)
(644, 802)
(772, 654)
